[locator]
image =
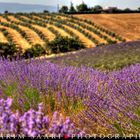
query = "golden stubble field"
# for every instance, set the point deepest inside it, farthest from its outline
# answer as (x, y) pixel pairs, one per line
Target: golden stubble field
(126, 25)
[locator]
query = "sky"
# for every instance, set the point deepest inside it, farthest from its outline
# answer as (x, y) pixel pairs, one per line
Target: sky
(133, 4)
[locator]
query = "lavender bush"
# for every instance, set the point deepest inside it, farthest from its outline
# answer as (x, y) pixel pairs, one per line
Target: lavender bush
(34, 123)
(98, 102)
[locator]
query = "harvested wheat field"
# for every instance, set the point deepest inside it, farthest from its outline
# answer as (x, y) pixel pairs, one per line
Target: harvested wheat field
(126, 25)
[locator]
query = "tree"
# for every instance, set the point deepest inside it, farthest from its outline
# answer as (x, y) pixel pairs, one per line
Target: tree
(6, 12)
(45, 11)
(64, 9)
(72, 9)
(139, 9)
(97, 8)
(82, 7)
(127, 10)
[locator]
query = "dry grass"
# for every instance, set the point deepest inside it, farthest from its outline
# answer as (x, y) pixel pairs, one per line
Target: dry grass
(49, 35)
(126, 25)
(3, 39)
(33, 36)
(12, 18)
(61, 31)
(17, 38)
(3, 20)
(87, 42)
(101, 40)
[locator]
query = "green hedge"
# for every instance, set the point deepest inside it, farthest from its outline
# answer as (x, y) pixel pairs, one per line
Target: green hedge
(64, 44)
(9, 50)
(34, 51)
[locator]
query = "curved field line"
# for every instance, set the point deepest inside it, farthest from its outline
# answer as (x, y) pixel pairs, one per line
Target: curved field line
(91, 33)
(3, 20)
(105, 21)
(33, 36)
(17, 38)
(49, 35)
(87, 42)
(12, 18)
(84, 23)
(61, 31)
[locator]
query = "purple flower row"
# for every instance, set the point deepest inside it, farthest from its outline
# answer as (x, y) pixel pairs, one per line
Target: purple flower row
(110, 98)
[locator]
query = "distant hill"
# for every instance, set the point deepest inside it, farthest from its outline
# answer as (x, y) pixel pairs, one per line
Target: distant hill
(16, 7)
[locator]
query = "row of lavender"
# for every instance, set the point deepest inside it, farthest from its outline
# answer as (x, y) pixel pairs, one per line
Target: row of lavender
(98, 102)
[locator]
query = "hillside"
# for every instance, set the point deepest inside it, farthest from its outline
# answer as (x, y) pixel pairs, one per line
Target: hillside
(104, 58)
(126, 25)
(39, 28)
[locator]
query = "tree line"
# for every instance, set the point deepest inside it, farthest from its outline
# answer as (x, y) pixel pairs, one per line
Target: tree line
(83, 8)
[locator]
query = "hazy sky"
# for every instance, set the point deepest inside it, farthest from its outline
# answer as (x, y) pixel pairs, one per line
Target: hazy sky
(105, 3)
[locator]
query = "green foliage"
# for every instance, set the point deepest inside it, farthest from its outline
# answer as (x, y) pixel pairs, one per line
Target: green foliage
(72, 9)
(9, 90)
(136, 123)
(35, 51)
(64, 9)
(96, 9)
(31, 97)
(64, 44)
(119, 129)
(8, 50)
(82, 7)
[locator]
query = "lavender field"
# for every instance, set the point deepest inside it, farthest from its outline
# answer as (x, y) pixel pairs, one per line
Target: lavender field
(40, 98)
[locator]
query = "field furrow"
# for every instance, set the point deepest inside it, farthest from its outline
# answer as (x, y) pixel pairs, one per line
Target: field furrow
(43, 28)
(62, 32)
(12, 18)
(101, 40)
(122, 24)
(49, 35)
(17, 39)
(81, 36)
(88, 28)
(32, 36)
(2, 19)
(88, 43)
(59, 30)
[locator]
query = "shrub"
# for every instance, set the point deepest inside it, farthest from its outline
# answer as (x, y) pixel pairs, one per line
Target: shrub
(64, 44)
(35, 51)
(8, 50)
